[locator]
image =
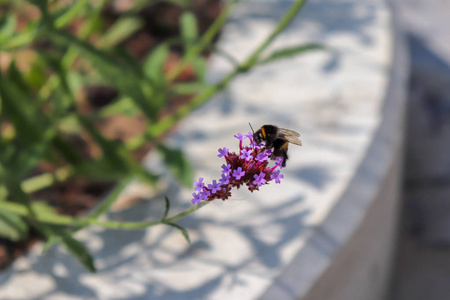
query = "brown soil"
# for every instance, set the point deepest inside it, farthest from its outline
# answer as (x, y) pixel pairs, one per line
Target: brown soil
(75, 196)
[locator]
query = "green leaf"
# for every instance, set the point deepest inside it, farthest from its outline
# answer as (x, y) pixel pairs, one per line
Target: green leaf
(67, 97)
(26, 159)
(16, 76)
(120, 30)
(178, 164)
(38, 74)
(127, 59)
(7, 27)
(79, 251)
(110, 148)
(76, 248)
(124, 105)
(189, 28)
(52, 240)
(291, 51)
(120, 75)
(117, 159)
(12, 226)
(109, 201)
(154, 63)
(43, 209)
(166, 211)
(71, 12)
(20, 110)
(41, 4)
(187, 88)
(182, 230)
(200, 68)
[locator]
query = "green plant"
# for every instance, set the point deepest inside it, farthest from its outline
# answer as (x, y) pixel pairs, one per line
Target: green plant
(40, 109)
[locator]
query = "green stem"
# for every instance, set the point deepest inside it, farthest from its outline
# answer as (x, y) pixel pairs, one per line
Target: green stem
(284, 22)
(141, 225)
(205, 40)
(56, 219)
(165, 124)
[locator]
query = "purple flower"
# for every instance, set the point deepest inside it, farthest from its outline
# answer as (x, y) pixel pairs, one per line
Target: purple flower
(199, 185)
(238, 173)
(246, 154)
(240, 136)
(197, 198)
(225, 179)
(226, 169)
(277, 176)
(204, 195)
(262, 157)
(255, 145)
(248, 167)
(223, 151)
(259, 179)
(214, 187)
(279, 162)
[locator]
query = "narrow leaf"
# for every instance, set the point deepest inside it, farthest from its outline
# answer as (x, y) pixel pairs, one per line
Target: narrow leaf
(178, 164)
(200, 67)
(7, 26)
(12, 226)
(121, 76)
(123, 105)
(120, 30)
(109, 201)
(52, 240)
(75, 247)
(79, 251)
(166, 211)
(182, 230)
(70, 14)
(19, 110)
(291, 51)
(154, 63)
(186, 88)
(189, 30)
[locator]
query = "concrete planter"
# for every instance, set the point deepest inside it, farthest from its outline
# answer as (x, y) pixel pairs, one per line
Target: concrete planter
(326, 232)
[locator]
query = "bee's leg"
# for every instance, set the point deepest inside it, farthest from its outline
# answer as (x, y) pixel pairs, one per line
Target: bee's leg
(284, 150)
(268, 145)
(285, 157)
(280, 152)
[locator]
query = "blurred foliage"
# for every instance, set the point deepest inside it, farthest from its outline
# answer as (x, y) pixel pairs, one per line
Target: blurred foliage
(66, 68)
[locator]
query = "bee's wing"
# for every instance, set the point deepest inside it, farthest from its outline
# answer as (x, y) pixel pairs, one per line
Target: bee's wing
(291, 136)
(288, 132)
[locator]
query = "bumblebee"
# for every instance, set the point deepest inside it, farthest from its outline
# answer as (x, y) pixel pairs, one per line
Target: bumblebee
(277, 139)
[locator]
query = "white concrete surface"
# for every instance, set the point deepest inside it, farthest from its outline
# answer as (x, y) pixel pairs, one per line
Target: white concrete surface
(279, 242)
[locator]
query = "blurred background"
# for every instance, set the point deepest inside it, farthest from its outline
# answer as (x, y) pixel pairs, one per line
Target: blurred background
(422, 268)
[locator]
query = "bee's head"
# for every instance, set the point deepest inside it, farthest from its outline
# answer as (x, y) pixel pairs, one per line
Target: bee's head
(257, 136)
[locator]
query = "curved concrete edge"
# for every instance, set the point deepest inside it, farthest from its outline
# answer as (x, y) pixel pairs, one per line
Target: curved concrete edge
(350, 255)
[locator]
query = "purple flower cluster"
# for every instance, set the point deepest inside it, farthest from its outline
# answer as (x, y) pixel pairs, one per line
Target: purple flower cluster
(250, 167)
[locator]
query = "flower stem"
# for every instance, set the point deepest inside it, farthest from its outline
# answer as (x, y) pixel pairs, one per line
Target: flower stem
(57, 219)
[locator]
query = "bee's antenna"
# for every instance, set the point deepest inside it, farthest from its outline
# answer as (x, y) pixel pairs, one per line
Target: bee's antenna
(251, 127)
